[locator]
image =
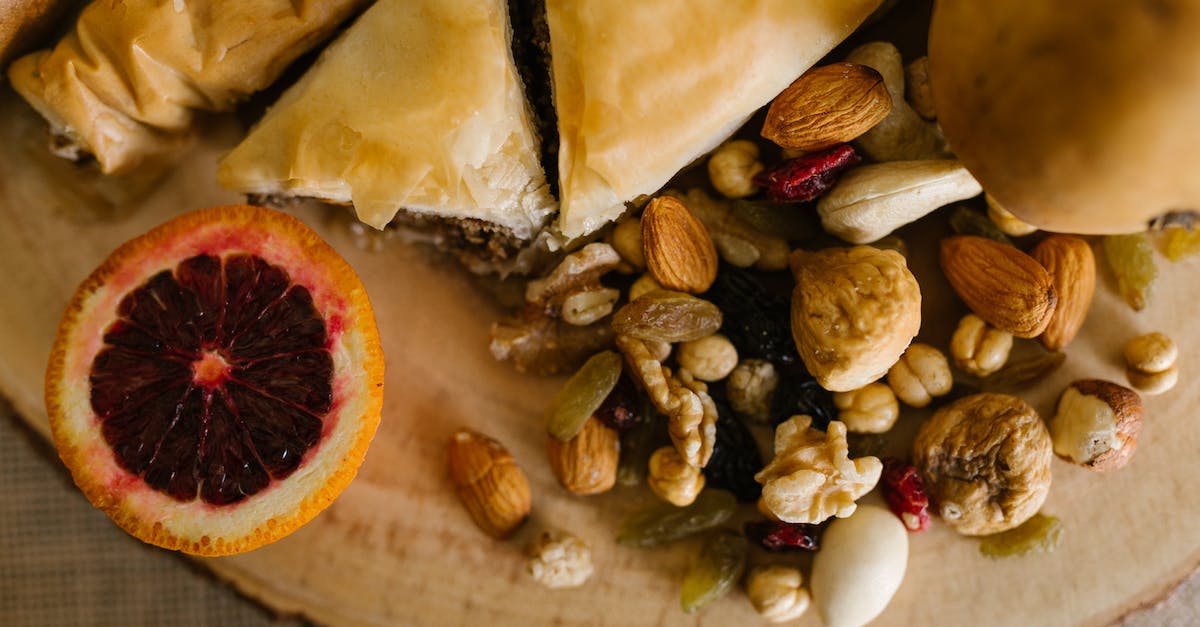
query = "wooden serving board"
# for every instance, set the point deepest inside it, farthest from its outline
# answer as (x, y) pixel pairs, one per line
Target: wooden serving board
(397, 548)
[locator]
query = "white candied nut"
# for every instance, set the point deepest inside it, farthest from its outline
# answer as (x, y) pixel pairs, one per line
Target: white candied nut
(922, 374)
(709, 358)
(871, 201)
(870, 409)
(559, 560)
(775, 593)
(859, 567)
(903, 134)
(978, 348)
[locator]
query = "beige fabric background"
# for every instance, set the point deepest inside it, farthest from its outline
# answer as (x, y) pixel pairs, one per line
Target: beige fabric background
(64, 563)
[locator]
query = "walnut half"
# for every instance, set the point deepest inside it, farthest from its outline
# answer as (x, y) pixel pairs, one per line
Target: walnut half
(986, 462)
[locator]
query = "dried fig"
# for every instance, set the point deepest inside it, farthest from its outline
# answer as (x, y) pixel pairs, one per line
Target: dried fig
(986, 462)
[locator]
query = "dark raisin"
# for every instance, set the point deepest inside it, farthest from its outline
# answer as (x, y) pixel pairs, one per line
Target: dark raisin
(619, 411)
(799, 393)
(783, 536)
(735, 459)
(757, 319)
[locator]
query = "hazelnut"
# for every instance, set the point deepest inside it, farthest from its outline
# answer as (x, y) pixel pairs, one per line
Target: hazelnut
(732, 168)
(776, 594)
(985, 460)
(1096, 424)
(921, 374)
(673, 479)
(751, 389)
(559, 560)
(1150, 363)
(978, 348)
(709, 358)
(869, 409)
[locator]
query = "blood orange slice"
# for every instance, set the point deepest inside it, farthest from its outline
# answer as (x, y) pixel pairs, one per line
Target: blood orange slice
(216, 381)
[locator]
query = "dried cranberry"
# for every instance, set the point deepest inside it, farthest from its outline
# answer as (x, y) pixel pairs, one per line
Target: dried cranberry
(799, 393)
(905, 494)
(619, 409)
(805, 178)
(783, 536)
(756, 319)
(735, 459)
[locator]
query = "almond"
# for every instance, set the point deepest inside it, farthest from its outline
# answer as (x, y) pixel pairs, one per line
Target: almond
(826, 106)
(489, 483)
(679, 251)
(1072, 268)
(1001, 284)
(587, 463)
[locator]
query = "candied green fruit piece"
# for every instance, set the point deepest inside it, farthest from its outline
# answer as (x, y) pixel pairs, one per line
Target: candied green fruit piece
(784, 220)
(967, 221)
(1131, 259)
(582, 395)
(1181, 242)
(666, 523)
(1040, 534)
(667, 316)
(720, 564)
(1019, 374)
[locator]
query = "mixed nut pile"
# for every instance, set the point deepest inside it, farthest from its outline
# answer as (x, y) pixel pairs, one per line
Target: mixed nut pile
(683, 344)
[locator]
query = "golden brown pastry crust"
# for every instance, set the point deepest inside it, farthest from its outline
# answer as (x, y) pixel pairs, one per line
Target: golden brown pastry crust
(126, 82)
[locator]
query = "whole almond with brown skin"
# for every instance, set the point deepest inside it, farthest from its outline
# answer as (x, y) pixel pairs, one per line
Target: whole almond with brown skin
(489, 483)
(587, 463)
(826, 106)
(1001, 284)
(1072, 268)
(679, 251)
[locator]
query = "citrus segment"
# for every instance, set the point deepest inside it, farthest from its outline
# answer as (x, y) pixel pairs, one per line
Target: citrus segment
(204, 364)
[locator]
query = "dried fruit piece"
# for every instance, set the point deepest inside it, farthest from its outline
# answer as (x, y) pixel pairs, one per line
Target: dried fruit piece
(720, 565)
(667, 316)
(679, 251)
(756, 319)
(1019, 374)
(1039, 534)
(967, 221)
(866, 444)
(536, 343)
(489, 483)
(1181, 242)
(826, 106)
(805, 178)
(638, 444)
(666, 523)
(800, 394)
(785, 220)
(216, 382)
(619, 410)
(1131, 259)
(905, 494)
(582, 395)
(735, 458)
(985, 460)
(783, 536)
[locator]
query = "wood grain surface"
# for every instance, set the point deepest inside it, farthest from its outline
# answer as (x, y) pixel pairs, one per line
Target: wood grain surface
(397, 548)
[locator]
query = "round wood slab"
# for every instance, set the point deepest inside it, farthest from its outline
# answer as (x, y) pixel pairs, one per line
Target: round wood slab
(397, 548)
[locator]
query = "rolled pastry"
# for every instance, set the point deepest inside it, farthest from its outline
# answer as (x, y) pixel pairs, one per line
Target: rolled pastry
(125, 84)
